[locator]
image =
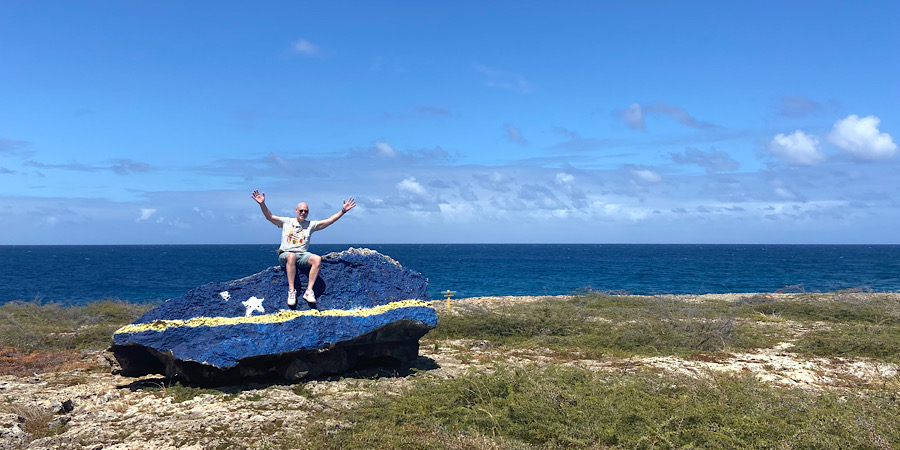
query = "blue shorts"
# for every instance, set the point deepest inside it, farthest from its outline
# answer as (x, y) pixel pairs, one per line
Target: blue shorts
(302, 258)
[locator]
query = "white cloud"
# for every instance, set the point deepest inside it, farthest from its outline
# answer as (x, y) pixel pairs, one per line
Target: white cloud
(618, 211)
(634, 117)
(146, 213)
(564, 179)
(411, 186)
(798, 148)
(385, 150)
(459, 211)
(646, 175)
(305, 47)
(204, 213)
(861, 138)
(784, 193)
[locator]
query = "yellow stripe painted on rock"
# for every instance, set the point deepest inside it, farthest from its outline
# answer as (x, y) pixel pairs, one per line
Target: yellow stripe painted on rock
(278, 317)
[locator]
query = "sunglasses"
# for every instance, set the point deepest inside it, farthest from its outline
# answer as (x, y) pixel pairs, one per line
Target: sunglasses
(302, 211)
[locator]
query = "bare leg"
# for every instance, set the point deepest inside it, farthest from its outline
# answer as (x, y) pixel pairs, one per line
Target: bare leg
(291, 269)
(314, 262)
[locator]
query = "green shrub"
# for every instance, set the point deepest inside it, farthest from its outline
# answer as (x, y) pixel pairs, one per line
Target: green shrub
(853, 340)
(31, 326)
(568, 407)
(596, 325)
(839, 307)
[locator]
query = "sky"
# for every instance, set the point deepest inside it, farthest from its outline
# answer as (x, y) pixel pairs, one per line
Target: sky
(142, 122)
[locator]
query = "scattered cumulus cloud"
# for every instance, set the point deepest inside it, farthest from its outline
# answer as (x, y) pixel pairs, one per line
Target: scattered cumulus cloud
(146, 213)
(797, 148)
(304, 47)
(458, 211)
(645, 175)
(434, 194)
(412, 187)
(445, 196)
(564, 179)
(861, 138)
(206, 213)
(384, 150)
(784, 193)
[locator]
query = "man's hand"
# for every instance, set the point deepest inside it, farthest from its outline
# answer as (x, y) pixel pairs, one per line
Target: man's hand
(260, 197)
(348, 204)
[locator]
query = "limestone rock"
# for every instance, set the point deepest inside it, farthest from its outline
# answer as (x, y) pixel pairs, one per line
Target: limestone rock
(370, 309)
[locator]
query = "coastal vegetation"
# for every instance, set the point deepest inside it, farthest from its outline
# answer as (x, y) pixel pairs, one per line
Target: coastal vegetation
(591, 370)
(595, 325)
(35, 336)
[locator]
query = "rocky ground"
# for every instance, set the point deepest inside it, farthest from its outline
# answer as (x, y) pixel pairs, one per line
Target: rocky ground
(92, 408)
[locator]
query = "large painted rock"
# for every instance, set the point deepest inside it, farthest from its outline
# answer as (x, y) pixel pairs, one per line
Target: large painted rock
(370, 310)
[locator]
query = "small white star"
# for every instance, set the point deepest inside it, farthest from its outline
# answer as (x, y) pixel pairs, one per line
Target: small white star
(253, 304)
(225, 295)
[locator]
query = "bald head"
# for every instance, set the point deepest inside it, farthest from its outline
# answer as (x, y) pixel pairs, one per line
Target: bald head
(302, 211)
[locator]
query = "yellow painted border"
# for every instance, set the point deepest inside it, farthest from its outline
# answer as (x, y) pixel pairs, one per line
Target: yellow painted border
(278, 317)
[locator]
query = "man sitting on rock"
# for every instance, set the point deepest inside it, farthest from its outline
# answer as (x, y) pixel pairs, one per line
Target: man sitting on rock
(295, 233)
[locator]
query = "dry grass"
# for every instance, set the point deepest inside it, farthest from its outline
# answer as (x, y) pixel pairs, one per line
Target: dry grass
(37, 421)
(16, 362)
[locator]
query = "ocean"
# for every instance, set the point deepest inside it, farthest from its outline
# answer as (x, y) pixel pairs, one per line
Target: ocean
(142, 273)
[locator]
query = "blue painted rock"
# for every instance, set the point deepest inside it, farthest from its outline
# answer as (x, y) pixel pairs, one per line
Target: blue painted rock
(370, 310)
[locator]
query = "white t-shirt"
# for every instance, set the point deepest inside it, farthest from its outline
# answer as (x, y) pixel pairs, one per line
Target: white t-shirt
(295, 234)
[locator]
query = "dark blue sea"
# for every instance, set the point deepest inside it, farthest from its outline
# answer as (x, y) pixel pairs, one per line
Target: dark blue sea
(141, 273)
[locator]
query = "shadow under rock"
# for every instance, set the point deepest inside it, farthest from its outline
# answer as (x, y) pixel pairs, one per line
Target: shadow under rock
(420, 364)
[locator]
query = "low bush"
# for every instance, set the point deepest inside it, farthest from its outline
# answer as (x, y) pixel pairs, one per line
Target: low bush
(33, 326)
(570, 407)
(596, 325)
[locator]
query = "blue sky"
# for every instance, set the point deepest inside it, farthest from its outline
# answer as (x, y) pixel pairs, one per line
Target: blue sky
(456, 122)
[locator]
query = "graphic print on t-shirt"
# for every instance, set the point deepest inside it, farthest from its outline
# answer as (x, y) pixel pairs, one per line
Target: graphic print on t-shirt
(296, 235)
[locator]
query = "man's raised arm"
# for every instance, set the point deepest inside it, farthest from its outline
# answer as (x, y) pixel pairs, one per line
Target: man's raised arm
(260, 198)
(348, 205)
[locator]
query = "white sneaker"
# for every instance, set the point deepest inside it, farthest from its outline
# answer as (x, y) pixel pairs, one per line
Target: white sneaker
(292, 298)
(310, 297)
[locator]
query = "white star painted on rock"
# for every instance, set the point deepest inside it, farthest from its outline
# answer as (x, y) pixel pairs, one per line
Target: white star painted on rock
(253, 304)
(225, 295)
